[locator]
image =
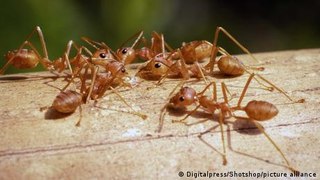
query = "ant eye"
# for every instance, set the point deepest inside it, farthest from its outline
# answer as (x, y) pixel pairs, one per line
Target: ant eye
(157, 65)
(124, 51)
(103, 55)
(123, 70)
(181, 98)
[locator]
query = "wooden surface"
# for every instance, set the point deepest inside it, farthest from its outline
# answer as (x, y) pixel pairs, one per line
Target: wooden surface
(115, 145)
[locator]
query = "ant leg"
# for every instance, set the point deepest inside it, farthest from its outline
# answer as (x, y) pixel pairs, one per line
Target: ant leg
(245, 90)
(233, 40)
(91, 42)
(138, 40)
(223, 51)
(160, 81)
(81, 78)
(255, 68)
(280, 90)
(161, 119)
(163, 109)
(214, 93)
(162, 45)
(212, 62)
(201, 72)
(205, 142)
(183, 69)
(143, 116)
(261, 129)
(165, 44)
(225, 90)
(65, 58)
(181, 83)
(275, 145)
(221, 116)
(44, 61)
(43, 43)
(206, 88)
(96, 69)
(138, 36)
(80, 117)
(183, 119)
(265, 87)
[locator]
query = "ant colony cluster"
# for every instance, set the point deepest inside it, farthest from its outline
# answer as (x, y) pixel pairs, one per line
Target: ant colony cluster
(101, 70)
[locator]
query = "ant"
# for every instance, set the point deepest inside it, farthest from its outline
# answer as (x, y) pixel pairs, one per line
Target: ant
(67, 101)
(103, 57)
(187, 57)
(29, 58)
(194, 51)
(157, 47)
(256, 110)
(161, 65)
(227, 64)
(127, 55)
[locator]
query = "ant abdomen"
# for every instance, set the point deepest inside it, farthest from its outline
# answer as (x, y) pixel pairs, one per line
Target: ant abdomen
(67, 101)
(196, 51)
(24, 59)
(261, 110)
(230, 65)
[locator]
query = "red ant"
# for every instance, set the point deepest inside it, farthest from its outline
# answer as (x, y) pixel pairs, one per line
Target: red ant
(29, 58)
(191, 53)
(194, 51)
(67, 101)
(127, 55)
(255, 110)
(161, 66)
(227, 64)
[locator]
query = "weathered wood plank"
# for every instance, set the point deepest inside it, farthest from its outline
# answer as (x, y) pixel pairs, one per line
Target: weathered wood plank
(111, 144)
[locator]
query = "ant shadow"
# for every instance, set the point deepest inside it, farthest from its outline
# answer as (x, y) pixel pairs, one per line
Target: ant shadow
(52, 114)
(240, 125)
(178, 112)
(219, 75)
(10, 78)
(13, 78)
(245, 126)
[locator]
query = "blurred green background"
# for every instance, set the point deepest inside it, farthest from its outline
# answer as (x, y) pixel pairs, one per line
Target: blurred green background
(265, 25)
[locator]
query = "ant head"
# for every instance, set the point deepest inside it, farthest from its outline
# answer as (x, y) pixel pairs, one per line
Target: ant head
(116, 68)
(126, 54)
(185, 97)
(155, 68)
(159, 65)
(102, 54)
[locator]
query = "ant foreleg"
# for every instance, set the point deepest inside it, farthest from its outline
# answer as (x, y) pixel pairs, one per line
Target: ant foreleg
(183, 119)
(143, 116)
(233, 40)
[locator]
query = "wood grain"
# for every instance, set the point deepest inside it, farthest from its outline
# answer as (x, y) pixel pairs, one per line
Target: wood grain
(117, 145)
